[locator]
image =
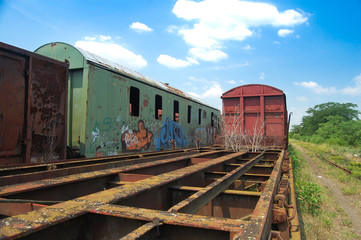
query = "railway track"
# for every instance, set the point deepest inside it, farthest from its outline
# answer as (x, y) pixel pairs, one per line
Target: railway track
(334, 164)
(205, 194)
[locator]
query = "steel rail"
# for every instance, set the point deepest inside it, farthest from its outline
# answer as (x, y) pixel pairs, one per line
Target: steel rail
(47, 183)
(260, 222)
(195, 202)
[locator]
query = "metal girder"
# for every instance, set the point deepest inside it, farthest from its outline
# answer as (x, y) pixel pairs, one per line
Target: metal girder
(64, 211)
(33, 172)
(202, 198)
(260, 222)
(195, 202)
(46, 183)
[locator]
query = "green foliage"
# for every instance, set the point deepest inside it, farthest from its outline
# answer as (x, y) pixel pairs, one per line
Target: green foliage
(309, 195)
(332, 123)
(355, 168)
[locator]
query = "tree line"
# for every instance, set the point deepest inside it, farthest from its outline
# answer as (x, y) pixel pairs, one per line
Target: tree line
(333, 123)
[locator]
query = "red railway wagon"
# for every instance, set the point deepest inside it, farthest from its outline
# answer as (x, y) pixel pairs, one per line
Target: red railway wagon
(33, 101)
(257, 109)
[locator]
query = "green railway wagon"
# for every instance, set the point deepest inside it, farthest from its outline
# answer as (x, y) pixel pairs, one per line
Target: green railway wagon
(112, 109)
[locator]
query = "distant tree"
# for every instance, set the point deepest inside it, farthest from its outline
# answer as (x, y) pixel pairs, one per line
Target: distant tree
(337, 131)
(320, 114)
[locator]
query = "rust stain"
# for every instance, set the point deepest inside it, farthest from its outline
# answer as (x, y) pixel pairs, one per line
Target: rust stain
(145, 103)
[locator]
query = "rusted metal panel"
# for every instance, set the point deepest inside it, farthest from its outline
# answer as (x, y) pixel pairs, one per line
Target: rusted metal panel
(125, 203)
(12, 105)
(32, 107)
(257, 109)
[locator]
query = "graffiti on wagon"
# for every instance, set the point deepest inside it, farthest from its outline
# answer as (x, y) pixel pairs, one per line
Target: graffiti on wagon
(170, 131)
(137, 139)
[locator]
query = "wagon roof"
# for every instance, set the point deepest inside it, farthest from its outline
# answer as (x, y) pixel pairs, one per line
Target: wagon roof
(93, 58)
(252, 89)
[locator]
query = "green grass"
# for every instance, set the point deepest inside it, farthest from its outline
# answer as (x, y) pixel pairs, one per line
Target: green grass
(321, 216)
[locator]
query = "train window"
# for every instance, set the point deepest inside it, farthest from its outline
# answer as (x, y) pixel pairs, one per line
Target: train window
(212, 119)
(158, 107)
(199, 116)
(204, 114)
(189, 118)
(176, 111)
(134, 101)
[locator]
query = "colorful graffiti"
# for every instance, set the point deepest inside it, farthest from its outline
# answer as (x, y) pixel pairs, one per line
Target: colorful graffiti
(170, 131)
(137, 139)
(105, 137)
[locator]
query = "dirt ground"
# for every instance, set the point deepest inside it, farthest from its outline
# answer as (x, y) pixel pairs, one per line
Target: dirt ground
(344, 202)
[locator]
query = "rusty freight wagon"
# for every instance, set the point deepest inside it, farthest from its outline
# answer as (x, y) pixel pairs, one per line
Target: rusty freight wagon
(258, 114)
(113, 109)
(33, 101)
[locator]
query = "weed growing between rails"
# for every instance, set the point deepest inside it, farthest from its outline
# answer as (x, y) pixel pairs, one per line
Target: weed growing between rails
(236, 137)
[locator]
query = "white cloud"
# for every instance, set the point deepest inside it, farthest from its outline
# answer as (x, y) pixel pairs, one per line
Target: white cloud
(207, 54)
(215, 22)
(172, 29)
(316, 88)
(232, 82)
(172, 62)
(105, 48)
(261, 76)
(212, 90)
(140, 27)
(356, 90)
(285, 32)
(104, 38)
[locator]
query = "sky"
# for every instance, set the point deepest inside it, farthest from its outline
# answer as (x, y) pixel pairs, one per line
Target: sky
(309, 49)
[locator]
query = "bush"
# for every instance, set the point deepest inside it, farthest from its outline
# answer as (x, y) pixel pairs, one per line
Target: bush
(309, 196)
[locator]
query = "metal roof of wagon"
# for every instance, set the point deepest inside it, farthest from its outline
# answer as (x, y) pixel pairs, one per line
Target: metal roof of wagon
(93, 58)
(118, 67)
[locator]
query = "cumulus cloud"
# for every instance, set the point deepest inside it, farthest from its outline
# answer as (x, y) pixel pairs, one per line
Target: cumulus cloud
(208, 55)
(356, 90)
(214, 89)
(284, 32)
(104, 47)
(172, 62)
(215, 22)
(315, 87)
(140, 27)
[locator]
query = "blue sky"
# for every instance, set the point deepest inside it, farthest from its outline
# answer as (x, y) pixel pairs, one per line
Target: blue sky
(309, 49)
